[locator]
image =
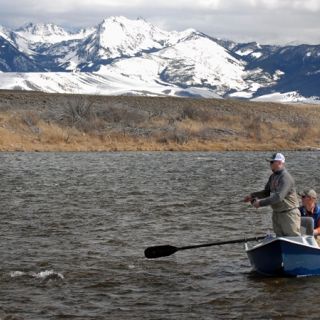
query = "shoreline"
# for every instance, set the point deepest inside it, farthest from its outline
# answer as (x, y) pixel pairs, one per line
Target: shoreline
(145, 148)
(153, 151)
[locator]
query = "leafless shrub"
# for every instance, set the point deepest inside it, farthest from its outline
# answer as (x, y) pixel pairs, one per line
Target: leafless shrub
(124, 116)
(196, 113)
(174, 135)
(155, 113)
(214, 133)
(253, 126)
(31, 119)
(110, 115)
(77, 111)
(303, 127)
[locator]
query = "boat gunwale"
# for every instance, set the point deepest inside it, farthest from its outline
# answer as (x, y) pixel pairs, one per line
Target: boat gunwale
(267, 241)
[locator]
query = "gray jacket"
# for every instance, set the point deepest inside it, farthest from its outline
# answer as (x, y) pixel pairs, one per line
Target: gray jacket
(279, 192)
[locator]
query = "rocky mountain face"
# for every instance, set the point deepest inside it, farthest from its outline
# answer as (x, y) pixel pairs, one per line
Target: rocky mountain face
(122, 56)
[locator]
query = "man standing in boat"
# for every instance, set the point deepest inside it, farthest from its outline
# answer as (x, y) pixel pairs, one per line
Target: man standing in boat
(280, 194)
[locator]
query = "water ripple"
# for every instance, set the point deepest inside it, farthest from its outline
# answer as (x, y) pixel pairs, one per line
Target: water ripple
(74, 227)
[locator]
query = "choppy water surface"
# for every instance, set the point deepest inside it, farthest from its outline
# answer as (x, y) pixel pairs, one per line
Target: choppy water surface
(74, 227)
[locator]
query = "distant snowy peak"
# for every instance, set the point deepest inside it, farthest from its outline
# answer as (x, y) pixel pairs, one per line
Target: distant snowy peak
(49, 33)
(189, 34)
(119, 36)
(140, 27)
(41, 29)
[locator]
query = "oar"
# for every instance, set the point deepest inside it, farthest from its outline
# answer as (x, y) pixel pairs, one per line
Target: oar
(167, 250)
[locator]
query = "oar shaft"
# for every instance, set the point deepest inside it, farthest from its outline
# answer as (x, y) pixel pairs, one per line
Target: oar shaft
(167, 250)
(219, 243)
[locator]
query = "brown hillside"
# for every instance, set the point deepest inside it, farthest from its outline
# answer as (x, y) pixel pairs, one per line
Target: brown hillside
(33, 121)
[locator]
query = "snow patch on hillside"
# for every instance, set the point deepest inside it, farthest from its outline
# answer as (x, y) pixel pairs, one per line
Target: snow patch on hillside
(95, 83)
(288, 97)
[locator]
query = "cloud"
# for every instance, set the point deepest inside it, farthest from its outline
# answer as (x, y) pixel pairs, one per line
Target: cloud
(265, 21)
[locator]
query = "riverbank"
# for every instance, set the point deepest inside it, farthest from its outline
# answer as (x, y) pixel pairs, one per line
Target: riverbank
(34, 121)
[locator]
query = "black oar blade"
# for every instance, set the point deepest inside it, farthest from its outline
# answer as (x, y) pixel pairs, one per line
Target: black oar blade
(159, 251)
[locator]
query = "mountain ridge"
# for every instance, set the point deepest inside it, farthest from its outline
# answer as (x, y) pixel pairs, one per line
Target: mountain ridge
(133, 56)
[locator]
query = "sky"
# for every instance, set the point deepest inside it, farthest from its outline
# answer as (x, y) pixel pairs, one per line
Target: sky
(265, 21)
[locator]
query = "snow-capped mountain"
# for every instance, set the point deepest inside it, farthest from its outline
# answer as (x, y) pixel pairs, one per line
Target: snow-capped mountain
(45, 33)
(122, 56)
(34, 39)
(13, 59)
(297, 68)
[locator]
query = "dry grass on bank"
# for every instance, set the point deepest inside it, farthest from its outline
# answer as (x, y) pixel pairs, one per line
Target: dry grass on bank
(32, 121)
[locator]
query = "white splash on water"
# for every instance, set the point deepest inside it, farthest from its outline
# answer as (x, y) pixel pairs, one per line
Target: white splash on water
(43, 275)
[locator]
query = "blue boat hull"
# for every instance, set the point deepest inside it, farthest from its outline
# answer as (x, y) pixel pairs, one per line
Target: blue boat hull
(292, 256)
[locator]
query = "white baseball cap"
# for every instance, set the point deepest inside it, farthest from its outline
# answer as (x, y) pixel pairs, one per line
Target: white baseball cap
(277, 157)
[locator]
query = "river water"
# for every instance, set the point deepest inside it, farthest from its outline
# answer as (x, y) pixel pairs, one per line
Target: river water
(74, 227)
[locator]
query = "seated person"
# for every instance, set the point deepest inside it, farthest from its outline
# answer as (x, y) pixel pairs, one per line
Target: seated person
(310, 208)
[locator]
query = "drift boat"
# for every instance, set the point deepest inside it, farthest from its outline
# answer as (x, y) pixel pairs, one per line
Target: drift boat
(285, 256)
